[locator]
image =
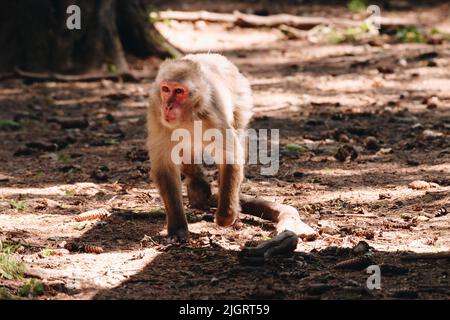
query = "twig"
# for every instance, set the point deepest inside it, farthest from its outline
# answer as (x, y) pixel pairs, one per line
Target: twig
(277, 20)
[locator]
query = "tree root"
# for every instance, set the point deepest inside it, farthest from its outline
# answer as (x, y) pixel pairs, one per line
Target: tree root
(44, 76)
(277, 20)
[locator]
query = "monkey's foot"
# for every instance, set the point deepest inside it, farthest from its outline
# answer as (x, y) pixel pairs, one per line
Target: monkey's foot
(225, 220)
(178, 236)
(296, 225)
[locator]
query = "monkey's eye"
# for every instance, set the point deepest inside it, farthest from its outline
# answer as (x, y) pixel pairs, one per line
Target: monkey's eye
(179, 91)
(165, 89)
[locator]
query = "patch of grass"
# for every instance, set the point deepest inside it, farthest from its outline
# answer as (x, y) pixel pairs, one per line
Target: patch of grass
(47, 252)
(112, 68)
(153, 14)
(32, 288)
(411, 34)
(352, 34)
(442, 35)
(69, 193)
(5, 294)
(10, 267)
(61, 157)
(111, 142)
(18, 204)
(295, 148)
(9, 125)
(327, 170)
(9, 247)
(357, 5)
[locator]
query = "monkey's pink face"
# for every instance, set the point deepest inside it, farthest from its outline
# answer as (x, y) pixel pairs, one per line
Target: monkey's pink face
(173, 96)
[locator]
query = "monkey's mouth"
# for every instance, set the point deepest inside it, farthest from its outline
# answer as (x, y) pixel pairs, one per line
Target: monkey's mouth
(171, 112)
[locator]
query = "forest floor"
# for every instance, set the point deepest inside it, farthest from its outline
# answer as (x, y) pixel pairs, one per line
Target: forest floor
(67, 148)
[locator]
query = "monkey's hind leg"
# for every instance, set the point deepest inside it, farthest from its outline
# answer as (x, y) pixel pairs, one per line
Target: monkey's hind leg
(199, 190)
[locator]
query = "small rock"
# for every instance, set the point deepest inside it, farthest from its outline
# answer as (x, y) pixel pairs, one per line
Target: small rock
(404, 95)
(361, 248)
(432, 63)
(412, 162)
(383, 196)
(298, 174)
(403, 62)
(417, 126)
(421, 185)
(431, 134)
(372, 143)
(421, 219)
(42, 146)
(100, 175)
(384, 151)
(432, 102)
(346, 151)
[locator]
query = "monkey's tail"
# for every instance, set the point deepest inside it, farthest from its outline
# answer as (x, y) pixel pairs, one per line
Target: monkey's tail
(285, 216)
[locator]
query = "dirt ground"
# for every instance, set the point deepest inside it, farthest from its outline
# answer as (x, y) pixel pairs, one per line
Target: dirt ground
(81, 146)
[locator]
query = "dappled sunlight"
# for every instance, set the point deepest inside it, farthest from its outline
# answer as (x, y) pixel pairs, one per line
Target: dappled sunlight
(210, 37)
(93, 272)
(406, 172)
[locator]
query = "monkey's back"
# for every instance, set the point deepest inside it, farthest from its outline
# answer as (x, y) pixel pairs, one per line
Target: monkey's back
(230, 88)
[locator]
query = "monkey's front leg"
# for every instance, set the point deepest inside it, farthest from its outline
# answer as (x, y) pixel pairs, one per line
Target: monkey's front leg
(230, 178)
(168, 182)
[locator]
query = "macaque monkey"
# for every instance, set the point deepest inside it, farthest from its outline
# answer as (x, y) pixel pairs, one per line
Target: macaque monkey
(210, 89)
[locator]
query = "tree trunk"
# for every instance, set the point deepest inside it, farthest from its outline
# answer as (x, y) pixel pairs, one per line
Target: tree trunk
(34, 36)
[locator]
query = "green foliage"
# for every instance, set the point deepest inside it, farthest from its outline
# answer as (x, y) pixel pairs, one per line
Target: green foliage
(5, 294)
(153, 15)
(411, 34)
(112, 68)
(69, 193)
(9, 247)
(47, 252)
(351, 34)
(61, 157)
(18, 204)
(32, 288)
(442, 35)
(295, 148)
(10, 268)
(7, 125)
(357, 5)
